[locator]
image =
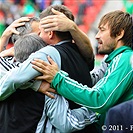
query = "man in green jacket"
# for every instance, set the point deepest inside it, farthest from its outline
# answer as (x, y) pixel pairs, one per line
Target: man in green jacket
(115, 39)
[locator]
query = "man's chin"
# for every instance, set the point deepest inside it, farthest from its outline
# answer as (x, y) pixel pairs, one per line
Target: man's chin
(101, 52)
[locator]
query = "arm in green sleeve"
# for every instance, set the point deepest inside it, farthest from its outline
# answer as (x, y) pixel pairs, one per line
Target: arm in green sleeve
(104, 94)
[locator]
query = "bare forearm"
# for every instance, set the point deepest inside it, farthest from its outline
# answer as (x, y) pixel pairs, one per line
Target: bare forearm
(10, 30)
(3, 42)
(83, 43)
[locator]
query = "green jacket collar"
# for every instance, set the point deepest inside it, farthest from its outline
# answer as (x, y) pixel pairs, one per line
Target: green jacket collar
(116, 52)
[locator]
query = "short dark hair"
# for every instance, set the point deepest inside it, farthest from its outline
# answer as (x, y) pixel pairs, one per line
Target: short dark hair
(63, 9)
(117, 21)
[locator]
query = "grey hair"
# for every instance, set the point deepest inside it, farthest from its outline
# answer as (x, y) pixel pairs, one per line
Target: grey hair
(24, 29)
(26, 45)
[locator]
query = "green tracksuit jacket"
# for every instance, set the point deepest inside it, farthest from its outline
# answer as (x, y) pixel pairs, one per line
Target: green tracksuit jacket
(115, 87)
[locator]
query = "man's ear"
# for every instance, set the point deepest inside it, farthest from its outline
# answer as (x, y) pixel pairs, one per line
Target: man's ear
(50, 34)
(120, 35)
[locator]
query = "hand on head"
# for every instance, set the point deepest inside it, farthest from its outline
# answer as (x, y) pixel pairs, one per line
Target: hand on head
(10, 30)
(57, 22)
(12, 27)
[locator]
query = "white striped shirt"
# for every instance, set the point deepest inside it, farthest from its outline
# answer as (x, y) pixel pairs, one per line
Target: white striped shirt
(6, 64)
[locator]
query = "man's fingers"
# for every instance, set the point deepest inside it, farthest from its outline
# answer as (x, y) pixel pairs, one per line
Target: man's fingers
(40, 78)
(48, 19)
(41, 62)
(45, 77)
(49, 94)
(19, 24)
(15, 31)
(52, 90)
(56, 12)
(38, 68)
(48, 70)
(51, 61)
(50, 29)
(22, 19)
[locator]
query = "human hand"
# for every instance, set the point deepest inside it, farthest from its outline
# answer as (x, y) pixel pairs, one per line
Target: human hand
(48, 70)
(45, 89)
(57, 22)
(7, 52)
(12, 27)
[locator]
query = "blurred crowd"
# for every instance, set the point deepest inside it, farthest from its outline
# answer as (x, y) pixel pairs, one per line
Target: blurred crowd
(14, 9)
(11, 10)
(128, 6)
